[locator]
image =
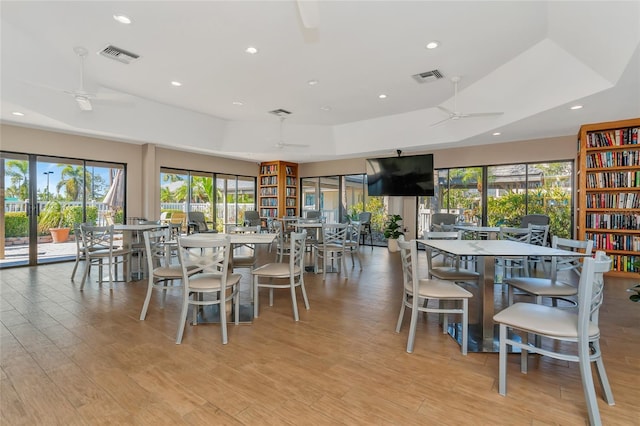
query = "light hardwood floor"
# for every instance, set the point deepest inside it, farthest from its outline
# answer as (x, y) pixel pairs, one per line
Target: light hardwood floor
(71, 357)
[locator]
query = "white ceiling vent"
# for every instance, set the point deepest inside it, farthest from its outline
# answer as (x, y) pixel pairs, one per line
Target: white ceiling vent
(120, 55)
(280, 112)
(427, 76)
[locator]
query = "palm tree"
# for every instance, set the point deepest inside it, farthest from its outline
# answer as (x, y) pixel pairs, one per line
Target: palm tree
(72, 180)
(18, 171)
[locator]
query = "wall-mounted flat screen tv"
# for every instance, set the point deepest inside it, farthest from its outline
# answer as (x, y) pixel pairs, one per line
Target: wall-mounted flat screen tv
(401, 176)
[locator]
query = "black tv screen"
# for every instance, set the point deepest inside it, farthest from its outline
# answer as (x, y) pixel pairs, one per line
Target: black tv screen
(400, 176)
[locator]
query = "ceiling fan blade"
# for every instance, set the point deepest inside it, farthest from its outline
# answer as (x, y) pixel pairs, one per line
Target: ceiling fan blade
(295, 145)
(447, 110)
(441, 121)
(482, 114)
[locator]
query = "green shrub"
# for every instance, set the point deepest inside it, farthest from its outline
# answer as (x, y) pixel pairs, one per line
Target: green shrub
(16, 224)
(73, 214)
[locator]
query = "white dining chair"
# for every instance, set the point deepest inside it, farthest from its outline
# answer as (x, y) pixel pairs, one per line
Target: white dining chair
(99, 247)
(292, 271)
(210, 277)
(419, 291)
(560, 325)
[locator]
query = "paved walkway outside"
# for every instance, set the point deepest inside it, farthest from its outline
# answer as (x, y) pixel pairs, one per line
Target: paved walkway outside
(47, 252)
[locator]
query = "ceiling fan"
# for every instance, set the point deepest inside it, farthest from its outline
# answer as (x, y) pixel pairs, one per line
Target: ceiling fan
(455, 114)
(82, 97)
(281, 143)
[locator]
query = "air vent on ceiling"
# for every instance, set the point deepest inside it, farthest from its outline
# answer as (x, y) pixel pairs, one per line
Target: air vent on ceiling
(118, 54)
(428, 76)
(280, 112)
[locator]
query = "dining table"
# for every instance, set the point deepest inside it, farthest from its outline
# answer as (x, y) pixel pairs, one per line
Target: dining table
(246, 307)
(483, 334)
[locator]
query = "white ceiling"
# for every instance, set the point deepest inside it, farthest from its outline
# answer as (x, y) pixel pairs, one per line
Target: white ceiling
(531, 60)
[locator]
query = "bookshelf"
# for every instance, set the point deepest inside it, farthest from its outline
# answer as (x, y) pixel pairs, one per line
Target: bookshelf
(608, 191)
(278, 189)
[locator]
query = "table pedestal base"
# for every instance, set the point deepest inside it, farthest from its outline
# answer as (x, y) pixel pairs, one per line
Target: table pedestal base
(477, 343)
(211, 314)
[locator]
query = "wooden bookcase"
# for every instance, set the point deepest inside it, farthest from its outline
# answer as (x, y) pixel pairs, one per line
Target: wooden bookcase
(608, 191)
(278, 189)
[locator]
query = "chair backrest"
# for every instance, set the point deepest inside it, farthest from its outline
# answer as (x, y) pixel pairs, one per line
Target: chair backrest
(97, 238)
(197, 220)
(281, 238)
(538, 234)
(252, 218)
(77, 231)
(443, 219)
(534, 219)
(312, 214)
(570, 263)
(297, 251)
(353, 234)
(522, 235)
(364, 218)
(334, 234)
(237, 229)
(208, 255)
(409, 257)
(108, 217)
(439, 235)
(590, 291)
(177, 221)
(155, 249)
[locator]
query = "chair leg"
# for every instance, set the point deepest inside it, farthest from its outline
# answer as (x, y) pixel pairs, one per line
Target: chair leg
(304, 292)
(222, 307)
(255, 296)
(85, 274)
(145, 306)
(502, 361)
(587, 382)
(465, 325)
(237, 303)
(183, 318)
(602, 375)
(293, 298)
(413, 325)
(405, 297)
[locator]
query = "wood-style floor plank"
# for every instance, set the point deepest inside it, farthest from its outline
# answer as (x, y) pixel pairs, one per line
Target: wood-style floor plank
(72, 357)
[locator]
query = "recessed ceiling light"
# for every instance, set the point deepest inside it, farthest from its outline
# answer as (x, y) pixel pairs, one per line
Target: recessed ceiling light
(432, 44)
(251, 50)
(325, 108)
(312, 82)
(123, 19)
(496, 133)
(18, 113)
(237, 103)
(576, 107)
(382, 96)
(176, 83)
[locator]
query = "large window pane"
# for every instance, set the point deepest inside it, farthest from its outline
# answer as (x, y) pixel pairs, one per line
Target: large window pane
(330, 198)
(464, 195)
(202, 194)
(174, 190)
(310, 199)
(507, 194)
(246, 196)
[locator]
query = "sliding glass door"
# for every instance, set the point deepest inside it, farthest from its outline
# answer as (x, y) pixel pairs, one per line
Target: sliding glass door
(43, 197)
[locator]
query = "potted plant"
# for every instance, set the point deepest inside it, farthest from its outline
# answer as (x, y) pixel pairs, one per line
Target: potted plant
(52, 219)
(393, 230)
